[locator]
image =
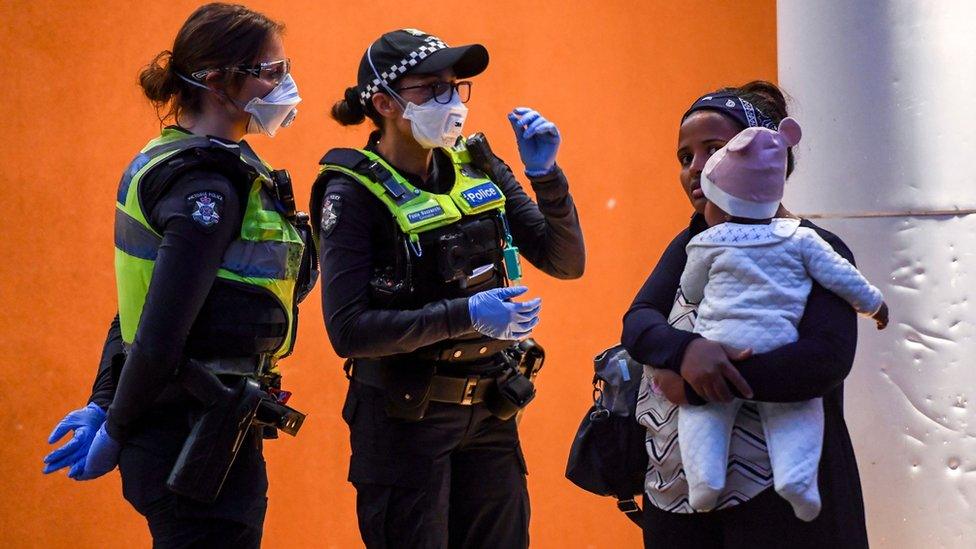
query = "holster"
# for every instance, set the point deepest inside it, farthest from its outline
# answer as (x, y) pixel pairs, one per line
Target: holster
(231, 404)
(514, 388)
(533, 356)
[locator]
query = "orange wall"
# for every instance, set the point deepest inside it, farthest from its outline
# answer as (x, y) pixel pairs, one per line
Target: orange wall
(614, 75)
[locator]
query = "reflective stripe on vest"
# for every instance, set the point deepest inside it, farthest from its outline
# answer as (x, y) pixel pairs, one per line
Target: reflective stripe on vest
(267, 253)
(417, 211)
(261, 259)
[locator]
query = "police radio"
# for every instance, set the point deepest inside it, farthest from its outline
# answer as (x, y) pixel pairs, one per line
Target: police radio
(481, 155)
(284, 193)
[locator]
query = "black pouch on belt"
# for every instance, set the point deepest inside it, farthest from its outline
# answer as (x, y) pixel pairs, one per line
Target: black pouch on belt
(216, 437)
(511, 392)
(406, 383)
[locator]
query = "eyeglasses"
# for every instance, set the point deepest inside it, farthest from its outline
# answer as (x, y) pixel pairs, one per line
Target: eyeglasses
(272, 71)
(443, 92)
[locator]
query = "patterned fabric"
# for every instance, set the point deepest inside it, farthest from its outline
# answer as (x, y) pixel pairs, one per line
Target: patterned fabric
(752, 256)
(742, 111)
(749, 471)
(752, 281)
(751, 115)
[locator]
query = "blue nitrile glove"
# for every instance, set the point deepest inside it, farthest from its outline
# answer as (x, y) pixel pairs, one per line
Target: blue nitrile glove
(103, 456)
(538, 141)
(494, 315)
(84, 422)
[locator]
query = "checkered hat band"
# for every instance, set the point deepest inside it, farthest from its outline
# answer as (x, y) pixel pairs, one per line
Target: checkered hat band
(388, 76)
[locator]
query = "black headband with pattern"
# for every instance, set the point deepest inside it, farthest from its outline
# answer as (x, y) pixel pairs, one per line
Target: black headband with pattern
(734, 106)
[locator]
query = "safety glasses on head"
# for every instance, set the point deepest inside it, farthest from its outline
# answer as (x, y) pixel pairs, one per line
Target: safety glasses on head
(270, 71)
(442, 92)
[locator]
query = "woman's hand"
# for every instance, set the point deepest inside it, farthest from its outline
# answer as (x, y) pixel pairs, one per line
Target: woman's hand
(494, 314)
(881, 317)
(707, 367)
(103, 456)
(538, 141)
(84, 422)
(672, 385)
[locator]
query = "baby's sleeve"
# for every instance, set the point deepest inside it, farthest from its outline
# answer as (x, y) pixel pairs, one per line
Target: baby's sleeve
(838, 275)
(695, 275)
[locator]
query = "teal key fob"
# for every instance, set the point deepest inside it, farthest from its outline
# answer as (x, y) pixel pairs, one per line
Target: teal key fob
(513, 263)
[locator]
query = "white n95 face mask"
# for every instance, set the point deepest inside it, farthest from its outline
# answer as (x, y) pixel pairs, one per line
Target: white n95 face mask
(275, 110)
(435, 124)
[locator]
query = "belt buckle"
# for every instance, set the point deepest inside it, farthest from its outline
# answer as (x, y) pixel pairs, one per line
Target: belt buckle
(470, 386)
(628, 505)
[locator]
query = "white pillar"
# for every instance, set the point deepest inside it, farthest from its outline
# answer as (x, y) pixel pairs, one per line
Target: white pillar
(886, 94)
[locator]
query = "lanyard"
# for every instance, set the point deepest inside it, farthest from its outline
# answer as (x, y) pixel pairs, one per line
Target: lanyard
(513, 262)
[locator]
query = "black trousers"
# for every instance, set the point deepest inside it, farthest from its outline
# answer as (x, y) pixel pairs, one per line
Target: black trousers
(764, 522)
(453, 479)
(235, 519)
(171, 529)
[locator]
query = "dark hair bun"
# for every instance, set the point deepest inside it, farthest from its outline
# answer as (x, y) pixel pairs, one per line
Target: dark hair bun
(157, 79)
(349, 111)
(773, 98)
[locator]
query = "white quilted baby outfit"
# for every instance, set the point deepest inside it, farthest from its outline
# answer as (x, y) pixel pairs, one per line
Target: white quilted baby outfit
(752, 282)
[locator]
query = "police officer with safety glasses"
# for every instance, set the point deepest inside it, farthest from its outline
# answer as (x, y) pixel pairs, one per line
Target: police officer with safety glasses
(211, 261)
(421, 233)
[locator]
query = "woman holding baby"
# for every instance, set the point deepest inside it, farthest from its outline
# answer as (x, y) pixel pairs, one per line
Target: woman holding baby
(767, 396)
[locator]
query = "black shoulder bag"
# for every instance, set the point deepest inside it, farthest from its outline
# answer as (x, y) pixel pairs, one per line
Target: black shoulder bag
(608, 456)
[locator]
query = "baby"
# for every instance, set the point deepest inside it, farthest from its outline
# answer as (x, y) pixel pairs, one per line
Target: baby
(751, 273)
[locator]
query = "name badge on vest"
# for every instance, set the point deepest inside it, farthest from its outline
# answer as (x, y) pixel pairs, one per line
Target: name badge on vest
(424, 214)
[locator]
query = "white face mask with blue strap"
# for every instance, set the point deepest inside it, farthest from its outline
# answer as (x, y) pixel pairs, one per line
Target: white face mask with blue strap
(275, 110)
(433, 124)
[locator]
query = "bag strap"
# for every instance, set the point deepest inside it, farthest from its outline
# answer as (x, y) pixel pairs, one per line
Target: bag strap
(632, 511)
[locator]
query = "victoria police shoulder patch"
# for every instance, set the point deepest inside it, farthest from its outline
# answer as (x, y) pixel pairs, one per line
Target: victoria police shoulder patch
(331, 208)
(206, 208)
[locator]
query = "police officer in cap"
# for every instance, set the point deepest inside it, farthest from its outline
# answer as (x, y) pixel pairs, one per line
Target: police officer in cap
(211, 262)
(420, 235)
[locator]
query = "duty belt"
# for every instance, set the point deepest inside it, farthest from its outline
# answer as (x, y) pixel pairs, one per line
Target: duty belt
(464, 351)
(255, 366)
(465, 391)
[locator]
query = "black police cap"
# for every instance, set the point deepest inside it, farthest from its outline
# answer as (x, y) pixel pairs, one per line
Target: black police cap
(410, 51)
